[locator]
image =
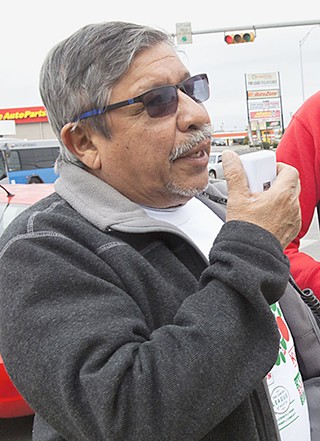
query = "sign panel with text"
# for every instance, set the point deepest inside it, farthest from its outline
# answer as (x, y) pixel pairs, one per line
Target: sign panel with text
(24, 115)
(264, 101)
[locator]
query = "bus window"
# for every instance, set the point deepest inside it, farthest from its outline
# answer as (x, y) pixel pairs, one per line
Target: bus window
(37, 158)
(13, 161)
(29, 161)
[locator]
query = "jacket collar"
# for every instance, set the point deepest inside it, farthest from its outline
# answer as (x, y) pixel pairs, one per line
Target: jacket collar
(108, 209)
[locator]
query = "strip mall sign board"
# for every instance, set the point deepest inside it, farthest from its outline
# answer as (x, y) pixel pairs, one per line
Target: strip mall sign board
(24, 115)
(264, 104)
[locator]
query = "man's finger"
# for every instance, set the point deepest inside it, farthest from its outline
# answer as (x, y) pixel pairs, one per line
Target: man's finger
(288, 177)
(234, 173)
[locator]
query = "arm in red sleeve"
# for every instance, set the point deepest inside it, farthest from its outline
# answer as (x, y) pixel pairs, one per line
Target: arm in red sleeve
(300, 147)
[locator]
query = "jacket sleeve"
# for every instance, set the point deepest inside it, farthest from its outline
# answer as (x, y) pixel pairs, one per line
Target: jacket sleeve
(300, 147)
(119, 345)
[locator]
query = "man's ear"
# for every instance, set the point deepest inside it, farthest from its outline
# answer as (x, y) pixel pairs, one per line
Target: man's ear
(78, 141)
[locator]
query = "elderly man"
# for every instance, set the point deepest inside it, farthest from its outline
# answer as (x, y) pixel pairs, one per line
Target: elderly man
(129, 309)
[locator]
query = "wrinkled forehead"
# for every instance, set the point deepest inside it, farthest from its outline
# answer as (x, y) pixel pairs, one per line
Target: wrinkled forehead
(154, 67)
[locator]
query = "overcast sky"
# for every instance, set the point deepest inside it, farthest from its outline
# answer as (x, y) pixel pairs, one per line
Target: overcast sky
(29, 30)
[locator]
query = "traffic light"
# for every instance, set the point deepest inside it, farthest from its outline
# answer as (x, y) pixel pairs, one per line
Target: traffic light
(239, 37)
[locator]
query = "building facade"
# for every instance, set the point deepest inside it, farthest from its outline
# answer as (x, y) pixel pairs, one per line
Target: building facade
(30, 123)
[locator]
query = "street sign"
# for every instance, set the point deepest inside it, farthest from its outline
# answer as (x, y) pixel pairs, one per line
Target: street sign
(184, 33)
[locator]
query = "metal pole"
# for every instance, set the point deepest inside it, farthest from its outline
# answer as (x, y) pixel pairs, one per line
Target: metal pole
(303, 39)
(301, 69)
(261, 26)
(281, 108)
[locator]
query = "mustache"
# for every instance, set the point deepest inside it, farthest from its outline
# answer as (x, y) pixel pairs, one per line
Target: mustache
(193, 139)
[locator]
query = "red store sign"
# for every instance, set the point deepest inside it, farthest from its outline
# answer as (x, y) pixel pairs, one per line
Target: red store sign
(24, 115)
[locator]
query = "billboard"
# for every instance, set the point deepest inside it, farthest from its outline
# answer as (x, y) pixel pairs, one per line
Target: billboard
(264, 103)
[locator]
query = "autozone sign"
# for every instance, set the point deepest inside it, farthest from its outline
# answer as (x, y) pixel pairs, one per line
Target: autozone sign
(258, 94)
(24, 115)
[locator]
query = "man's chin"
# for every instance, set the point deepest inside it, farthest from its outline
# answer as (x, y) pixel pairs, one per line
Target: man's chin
(186, 192)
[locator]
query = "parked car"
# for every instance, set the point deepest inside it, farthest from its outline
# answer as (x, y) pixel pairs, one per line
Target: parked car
(218, 142)
(11, 402)
(215, 169)
(14, 198)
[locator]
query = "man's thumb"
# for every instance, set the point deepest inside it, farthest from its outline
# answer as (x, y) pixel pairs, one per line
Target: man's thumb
(234, 172)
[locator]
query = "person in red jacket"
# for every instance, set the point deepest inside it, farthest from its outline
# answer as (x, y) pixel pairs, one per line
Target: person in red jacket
(300, 147)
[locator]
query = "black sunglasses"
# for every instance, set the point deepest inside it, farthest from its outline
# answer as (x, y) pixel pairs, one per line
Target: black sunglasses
(163, 100)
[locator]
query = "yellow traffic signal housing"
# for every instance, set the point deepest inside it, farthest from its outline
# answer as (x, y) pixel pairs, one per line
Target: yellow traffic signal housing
(239, 37)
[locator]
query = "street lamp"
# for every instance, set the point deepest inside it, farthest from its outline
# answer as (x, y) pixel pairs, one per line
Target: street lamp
(303, 39)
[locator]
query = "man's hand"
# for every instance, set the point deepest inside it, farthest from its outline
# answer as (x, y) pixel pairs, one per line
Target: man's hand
(276, 209)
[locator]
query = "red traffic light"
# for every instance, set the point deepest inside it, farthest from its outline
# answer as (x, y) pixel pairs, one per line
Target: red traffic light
(228, 39)
(239, 37)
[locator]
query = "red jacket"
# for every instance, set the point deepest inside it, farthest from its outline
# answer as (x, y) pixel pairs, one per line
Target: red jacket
(300, 147)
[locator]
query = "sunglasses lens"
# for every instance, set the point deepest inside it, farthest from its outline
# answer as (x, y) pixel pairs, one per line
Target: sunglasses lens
(197, 88)
(161, 102)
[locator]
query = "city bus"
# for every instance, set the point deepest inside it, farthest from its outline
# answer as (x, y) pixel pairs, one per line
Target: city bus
(28, 161)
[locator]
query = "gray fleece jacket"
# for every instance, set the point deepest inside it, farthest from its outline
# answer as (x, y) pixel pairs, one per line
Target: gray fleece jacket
(115, 327)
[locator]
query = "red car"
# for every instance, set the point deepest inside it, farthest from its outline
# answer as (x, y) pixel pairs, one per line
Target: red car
(14, 198)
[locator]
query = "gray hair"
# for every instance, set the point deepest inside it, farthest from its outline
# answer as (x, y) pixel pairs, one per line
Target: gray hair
(78, 73)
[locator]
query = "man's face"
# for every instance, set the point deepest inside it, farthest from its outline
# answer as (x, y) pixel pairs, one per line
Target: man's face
(136, 161)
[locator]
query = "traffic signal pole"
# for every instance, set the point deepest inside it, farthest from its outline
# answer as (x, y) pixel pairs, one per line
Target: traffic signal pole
(242, 34)
(255, 27)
